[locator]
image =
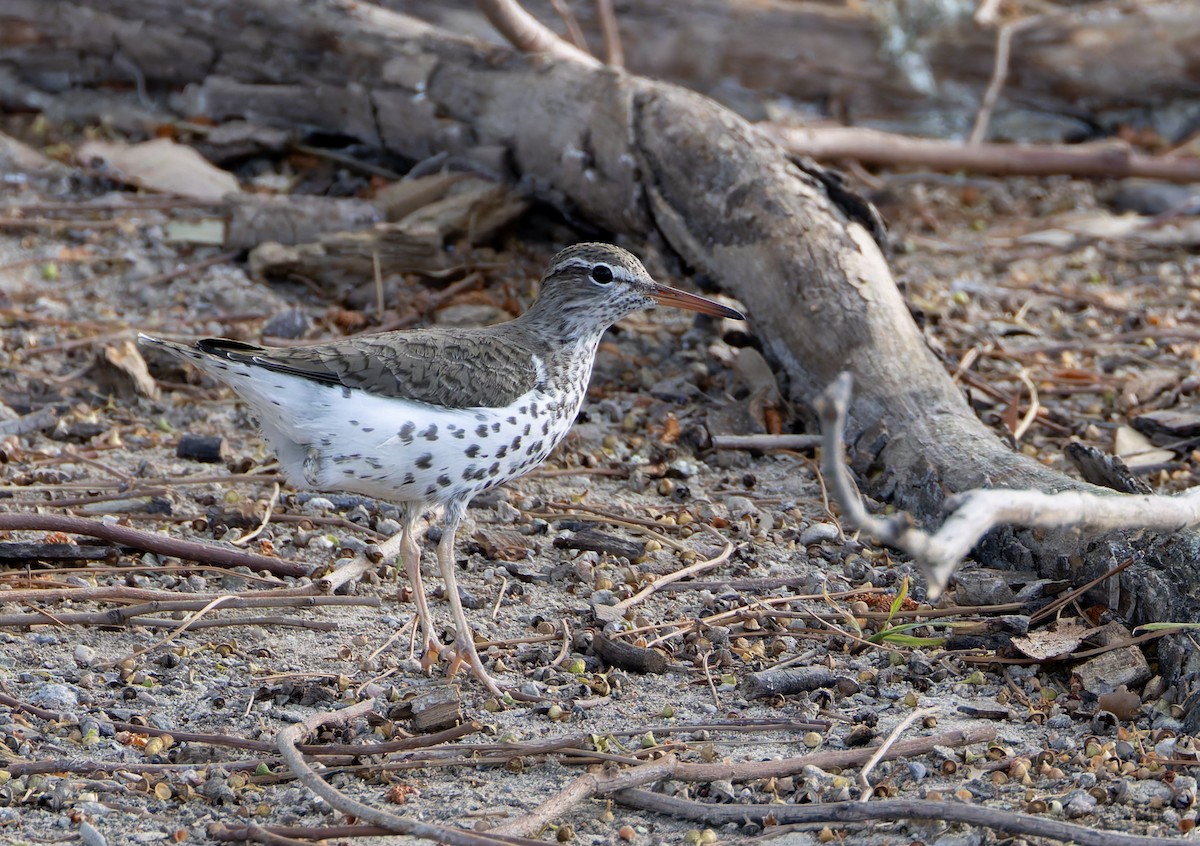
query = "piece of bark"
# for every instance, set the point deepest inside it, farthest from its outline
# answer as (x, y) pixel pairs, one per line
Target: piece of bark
(294, 219)
(626, 656)
(439, 709)
(1106, 672)
(787, 681)
(1106, 470)
(121, 369)
(590, 540)
(16, 551)
(210, 449)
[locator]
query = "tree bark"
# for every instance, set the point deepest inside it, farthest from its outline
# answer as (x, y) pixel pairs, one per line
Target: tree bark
(630, 154)
(894, 62)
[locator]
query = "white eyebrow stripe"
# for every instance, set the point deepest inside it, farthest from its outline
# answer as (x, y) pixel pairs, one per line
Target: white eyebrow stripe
(619, 271)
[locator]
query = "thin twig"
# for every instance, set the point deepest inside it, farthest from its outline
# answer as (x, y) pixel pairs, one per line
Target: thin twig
(265, 520)
(691, 570)
(287, 741)
(995, 819)
(582, 789)
(614, 55)
(1004, 37)
(867, 788)
(574, 30)
(528, 34)
(150, 541)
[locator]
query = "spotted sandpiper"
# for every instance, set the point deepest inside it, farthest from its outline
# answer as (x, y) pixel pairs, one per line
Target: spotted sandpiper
(435, 416)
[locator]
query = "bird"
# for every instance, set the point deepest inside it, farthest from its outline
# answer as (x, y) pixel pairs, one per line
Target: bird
(435, 416)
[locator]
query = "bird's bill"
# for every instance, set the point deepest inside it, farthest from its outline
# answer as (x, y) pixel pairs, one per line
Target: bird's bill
(667, 296)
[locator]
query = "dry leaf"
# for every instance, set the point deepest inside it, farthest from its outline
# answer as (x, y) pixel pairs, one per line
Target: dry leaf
(161, 165)
(1045, 644)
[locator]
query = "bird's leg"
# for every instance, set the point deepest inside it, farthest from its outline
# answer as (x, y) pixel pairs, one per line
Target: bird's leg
(464, 640)
(410, 556)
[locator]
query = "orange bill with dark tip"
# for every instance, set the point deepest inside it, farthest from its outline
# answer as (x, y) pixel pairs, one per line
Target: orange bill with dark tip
(664, 295)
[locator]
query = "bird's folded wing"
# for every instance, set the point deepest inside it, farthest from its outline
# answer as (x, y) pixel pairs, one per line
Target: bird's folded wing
(455, 370)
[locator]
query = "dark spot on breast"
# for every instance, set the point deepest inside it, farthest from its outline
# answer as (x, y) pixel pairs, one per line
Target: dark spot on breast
(546, 428)
(345, 392)
(368, 428)
(481, 417)
(406, 432)
(495, 427)
(408, 479)
(444, 481)
(352, 422)
(481, 431)
(535, 447)
(472, 450)
(460, 433)
(533, 409)
(430, 434)
(516, 443)
(528, 427)
(425, 461)
(503, 451)
(494, 469)
(523, 410)
(431, 490)
(469, 472)
(512, 421)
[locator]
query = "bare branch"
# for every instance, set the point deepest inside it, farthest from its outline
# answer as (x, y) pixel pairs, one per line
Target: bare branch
(1110, 159)
(528, 34)
(976, 512)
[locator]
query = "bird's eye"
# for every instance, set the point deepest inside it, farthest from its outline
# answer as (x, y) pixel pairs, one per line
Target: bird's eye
(602, 274)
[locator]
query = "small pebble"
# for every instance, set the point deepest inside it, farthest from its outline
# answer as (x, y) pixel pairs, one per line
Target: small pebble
(55, 697)
(818, 533)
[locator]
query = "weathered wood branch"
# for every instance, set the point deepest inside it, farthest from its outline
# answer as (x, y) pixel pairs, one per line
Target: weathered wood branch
(629, 154)
(900, 62)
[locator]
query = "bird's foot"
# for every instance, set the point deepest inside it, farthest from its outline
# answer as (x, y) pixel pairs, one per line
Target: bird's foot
(465, 653)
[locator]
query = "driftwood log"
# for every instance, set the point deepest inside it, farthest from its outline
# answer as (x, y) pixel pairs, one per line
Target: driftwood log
(917, 65)
(631, 155)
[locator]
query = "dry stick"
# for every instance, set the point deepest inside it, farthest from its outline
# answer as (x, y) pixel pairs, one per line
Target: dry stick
(135, 614)
(301, 595)
(286, 741)
(766, 441)
(528, 34)
(574, 30)
(179, 630)
(582, 789)
(101, 618)
(976, 512)
(995, 85)
(872, 146)
(655, 585)
(265, 520)
(254, 833)
(867, 788)
(614, 55)
(1071, 596)
(891, 809)
(351, 569)
(150, 542)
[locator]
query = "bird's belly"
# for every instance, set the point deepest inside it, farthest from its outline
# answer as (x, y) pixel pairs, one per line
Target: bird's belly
(401, 450)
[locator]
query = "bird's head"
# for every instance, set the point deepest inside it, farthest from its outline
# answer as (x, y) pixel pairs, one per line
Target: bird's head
(598, 284)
